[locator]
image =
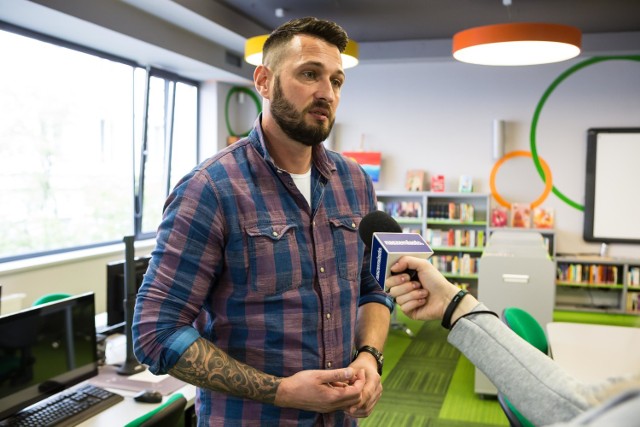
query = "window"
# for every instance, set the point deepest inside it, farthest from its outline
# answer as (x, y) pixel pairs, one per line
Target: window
(71, 138)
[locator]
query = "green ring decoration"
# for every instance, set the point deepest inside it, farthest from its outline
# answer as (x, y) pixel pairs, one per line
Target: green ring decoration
(545, 96)
(238, 89)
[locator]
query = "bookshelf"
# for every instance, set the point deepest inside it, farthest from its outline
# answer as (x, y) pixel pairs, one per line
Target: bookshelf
(454, 224)
(599, 284)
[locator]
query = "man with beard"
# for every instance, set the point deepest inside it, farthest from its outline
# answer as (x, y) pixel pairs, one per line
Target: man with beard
(258, 291)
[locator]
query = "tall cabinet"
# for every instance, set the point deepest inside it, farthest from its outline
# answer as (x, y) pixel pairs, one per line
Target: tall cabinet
(454, 224)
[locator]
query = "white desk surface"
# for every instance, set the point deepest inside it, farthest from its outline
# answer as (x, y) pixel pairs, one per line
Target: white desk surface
(128, 410)
(593, 353)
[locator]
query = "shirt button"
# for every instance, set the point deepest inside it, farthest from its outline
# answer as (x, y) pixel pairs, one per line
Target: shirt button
(328, 315)
(329, 365)
(275, 234)
(321, 269)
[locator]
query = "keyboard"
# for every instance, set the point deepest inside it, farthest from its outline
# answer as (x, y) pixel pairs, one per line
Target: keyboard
(67, 408)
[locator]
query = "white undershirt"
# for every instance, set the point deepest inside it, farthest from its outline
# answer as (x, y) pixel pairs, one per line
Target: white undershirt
(303, 182)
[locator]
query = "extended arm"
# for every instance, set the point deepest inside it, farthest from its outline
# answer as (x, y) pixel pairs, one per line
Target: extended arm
(538, 387)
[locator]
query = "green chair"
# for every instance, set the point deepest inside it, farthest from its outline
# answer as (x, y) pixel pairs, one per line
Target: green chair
(528, 328)
(50, 298)
(169, 414)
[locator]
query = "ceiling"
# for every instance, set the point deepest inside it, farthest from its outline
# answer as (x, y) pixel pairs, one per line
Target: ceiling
(385, 20)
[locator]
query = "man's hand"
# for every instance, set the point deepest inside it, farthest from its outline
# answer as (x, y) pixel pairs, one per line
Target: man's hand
(321, 390)
(372, 389)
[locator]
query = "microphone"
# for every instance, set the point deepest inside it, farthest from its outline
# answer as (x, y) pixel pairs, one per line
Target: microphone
(380, 232)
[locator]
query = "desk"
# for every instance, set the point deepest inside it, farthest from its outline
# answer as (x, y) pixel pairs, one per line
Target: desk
(592, 353)
(128, 410)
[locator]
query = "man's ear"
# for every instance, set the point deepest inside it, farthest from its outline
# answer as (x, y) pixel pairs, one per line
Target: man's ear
(261, 80)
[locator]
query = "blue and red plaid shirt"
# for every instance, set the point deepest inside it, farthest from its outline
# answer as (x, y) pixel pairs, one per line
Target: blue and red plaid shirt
(242, 260)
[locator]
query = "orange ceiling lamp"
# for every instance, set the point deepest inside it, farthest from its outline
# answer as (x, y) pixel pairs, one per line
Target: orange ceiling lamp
(253, 51)
(523, 43)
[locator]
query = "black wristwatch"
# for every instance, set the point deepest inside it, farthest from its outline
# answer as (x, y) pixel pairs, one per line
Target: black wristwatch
(374, 352)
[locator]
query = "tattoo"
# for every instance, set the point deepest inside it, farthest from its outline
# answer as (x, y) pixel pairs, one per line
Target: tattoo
(206, 366)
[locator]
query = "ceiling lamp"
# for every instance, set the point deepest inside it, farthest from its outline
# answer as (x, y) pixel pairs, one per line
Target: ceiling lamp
(521, 43)
(253, 51)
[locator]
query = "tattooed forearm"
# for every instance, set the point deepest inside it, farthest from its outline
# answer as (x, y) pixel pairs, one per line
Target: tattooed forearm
(206, 366)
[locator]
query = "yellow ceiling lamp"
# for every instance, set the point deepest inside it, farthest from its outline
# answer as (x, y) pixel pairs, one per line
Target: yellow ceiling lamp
(253, 51)
(521, 43)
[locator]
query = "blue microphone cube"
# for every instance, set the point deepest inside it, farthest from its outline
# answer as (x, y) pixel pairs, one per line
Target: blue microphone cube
(387, 248)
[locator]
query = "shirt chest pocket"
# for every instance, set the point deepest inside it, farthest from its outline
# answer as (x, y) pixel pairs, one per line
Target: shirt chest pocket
(274, 260)
(348, 250)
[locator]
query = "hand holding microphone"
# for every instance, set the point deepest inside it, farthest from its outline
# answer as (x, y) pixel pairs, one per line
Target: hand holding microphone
(388, 243)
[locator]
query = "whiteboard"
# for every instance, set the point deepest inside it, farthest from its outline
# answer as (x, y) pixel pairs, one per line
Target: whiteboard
(612, 198)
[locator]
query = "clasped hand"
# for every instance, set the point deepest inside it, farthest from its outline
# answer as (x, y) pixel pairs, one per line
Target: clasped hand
(355, 390)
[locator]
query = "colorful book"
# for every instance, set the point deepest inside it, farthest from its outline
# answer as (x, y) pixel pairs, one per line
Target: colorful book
(543, 217)
(520, 215)
(437, 183)
(465, 184)
(416, 180)
(499, 217)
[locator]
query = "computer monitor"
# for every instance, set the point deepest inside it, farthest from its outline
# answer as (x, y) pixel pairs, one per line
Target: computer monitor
(46, 349)
(115, 287)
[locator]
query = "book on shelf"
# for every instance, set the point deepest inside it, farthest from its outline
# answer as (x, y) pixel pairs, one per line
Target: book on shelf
(416, 180)
(543, 217)
(450, 238)
(406, 209)
(461, 264)
(499, 217)
(588, 274)
(437, 183)
(463, 212)
(520, 215)
(465, 184)
(633, 277)
(633, 302)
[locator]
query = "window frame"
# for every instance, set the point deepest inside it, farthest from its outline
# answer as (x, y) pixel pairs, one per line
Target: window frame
(138, 187)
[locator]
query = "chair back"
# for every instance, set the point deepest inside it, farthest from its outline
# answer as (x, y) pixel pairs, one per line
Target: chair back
(527, 327)
(169, 414)
(49, 298)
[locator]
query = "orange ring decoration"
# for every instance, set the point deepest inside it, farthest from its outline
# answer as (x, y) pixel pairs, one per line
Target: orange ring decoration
(547, 175)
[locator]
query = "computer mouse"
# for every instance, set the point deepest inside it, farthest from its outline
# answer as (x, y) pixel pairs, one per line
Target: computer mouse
(148, 396)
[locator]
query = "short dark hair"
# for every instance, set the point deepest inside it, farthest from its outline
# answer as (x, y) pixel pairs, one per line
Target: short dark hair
(328, 31)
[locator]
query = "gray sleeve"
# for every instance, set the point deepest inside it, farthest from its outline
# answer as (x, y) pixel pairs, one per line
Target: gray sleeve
(621, 411)
(538, 387)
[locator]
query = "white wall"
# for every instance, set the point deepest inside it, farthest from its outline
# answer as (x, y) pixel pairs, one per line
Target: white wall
(438, 116)
(84, 271)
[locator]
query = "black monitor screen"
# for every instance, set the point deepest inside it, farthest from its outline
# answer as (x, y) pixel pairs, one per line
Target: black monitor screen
(46, 349)
(115, 287)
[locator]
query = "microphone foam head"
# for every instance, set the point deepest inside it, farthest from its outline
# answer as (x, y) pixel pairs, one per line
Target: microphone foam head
(377, 222)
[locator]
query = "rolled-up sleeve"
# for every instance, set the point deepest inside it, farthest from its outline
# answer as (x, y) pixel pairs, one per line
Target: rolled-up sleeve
(183, 267)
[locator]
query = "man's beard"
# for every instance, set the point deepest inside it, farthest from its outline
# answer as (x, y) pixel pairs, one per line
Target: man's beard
(292, 122)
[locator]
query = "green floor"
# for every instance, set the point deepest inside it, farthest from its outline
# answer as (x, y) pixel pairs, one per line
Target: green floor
(433, 383)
